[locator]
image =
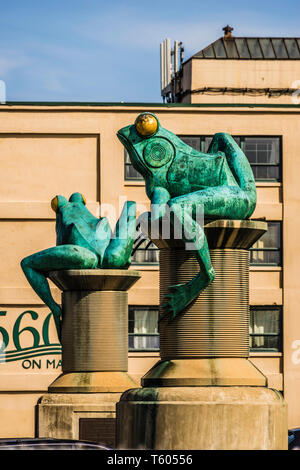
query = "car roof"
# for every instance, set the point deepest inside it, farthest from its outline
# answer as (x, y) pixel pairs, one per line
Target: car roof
(47, 443)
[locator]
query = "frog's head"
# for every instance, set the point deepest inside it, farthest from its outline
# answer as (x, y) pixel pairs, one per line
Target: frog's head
(59, 202)
(61, 205)
(150, 146)
(67, 212)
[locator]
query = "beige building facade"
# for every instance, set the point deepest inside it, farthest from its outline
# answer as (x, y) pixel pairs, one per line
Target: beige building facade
(48, 149)
(241, 70)
(59, 149)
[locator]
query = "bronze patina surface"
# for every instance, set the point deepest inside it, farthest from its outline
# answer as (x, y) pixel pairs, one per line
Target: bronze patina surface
(83, 241)
(181, 181)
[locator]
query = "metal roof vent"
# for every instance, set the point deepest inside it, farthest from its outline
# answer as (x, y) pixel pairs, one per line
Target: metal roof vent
(227, 32)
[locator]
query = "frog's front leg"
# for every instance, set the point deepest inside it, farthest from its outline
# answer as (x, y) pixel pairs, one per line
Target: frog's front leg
(151, 222)
(37, 266)
(181, 295)
(159, 200)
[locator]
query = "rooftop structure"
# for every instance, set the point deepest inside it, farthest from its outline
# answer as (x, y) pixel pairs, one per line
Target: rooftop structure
(255, 48)
(264, 68)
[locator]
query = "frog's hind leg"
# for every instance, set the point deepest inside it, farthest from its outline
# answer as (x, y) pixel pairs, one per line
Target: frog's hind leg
(217, 202)
(37, 266)
(179, 296)
(118, 253)
(228, 202)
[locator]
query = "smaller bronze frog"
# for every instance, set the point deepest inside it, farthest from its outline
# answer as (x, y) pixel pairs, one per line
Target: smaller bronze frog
(82, 242)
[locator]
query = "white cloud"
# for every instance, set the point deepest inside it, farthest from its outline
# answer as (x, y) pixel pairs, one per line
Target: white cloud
(11, 60)
(126, 28)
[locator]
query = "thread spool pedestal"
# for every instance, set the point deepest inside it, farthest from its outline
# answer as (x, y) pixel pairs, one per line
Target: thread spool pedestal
(204, 392)
(94, 354)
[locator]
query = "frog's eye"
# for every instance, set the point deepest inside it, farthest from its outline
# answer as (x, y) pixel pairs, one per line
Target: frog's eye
(78, 197)
(54, 204)
(146, 124)
(57, 202)
(158, 152)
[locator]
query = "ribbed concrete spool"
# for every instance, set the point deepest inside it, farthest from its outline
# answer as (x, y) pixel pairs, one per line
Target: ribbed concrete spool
(217, 323)
(211, 335)
(94, 330)
(97, 341)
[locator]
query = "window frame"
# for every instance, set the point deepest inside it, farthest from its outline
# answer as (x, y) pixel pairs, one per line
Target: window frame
(128, 178)
(279, 164)
(279, 250)
(136, 248)
(143, 335)
(242, 138)
(145, 263)
(278, 308)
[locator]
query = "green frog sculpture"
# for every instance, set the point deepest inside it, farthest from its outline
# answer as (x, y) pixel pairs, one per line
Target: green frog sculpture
(82, 242)
(181, 179)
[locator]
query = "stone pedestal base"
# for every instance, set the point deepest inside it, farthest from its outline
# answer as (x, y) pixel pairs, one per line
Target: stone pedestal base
(227, 371)
(92, 382)
(87, 416)
(202, 418)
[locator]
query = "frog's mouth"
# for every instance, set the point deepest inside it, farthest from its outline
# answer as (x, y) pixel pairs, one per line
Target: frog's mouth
(135, 159)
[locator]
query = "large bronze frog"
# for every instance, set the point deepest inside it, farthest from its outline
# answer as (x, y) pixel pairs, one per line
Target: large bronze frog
(182, 179)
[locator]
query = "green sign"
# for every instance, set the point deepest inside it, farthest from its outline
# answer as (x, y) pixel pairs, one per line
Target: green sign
(10, 346)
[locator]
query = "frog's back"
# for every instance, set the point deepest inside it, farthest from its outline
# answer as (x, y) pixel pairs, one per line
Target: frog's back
(73, 220)
(196, 171)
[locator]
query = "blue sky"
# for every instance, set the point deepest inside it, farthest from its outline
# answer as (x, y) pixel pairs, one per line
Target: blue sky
(88, 50)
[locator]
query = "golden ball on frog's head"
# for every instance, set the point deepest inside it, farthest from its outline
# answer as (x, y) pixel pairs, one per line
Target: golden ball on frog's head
(54, 204)
(58, 202)
(146, 124)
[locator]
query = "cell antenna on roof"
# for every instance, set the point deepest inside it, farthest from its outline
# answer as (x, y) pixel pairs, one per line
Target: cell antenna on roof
(227, 31)
(170, 65)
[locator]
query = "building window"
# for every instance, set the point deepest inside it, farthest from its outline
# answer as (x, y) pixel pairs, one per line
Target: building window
(143, 329)
(202, 142)
(263, 153)
(130, 173)
(196, 142)
(265, 328)
(144, 251)
(267, 250)
(207, 140)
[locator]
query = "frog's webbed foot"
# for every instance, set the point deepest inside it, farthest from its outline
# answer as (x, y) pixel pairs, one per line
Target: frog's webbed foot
(176, 301)
(181, 295)
(118, 253)
(57, 315)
